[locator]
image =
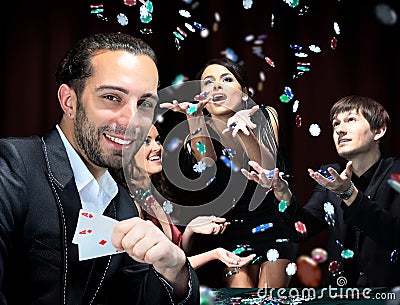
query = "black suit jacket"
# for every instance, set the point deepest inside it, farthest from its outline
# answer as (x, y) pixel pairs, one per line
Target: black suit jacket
(39, 206)
(370, 227)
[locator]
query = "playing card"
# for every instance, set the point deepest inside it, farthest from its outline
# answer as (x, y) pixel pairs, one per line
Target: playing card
(84, 225)
(93, 235)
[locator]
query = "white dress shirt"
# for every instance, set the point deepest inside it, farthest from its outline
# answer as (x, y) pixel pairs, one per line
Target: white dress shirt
(95, 194)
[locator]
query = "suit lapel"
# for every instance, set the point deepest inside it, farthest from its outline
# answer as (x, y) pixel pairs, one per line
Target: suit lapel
(66, 194)
(378, 177)
(62, 178)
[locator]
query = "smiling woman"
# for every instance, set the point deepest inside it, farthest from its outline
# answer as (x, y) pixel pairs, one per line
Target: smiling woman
(148, 187)
(223, 136)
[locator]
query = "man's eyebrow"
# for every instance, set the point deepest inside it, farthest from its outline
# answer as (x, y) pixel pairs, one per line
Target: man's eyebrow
(123, 90)
(150, 95)
(111, 87)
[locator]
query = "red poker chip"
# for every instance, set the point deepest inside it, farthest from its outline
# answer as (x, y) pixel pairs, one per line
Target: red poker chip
(269, 61)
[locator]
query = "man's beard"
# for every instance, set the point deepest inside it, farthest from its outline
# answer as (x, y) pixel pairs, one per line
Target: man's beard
(88, 136)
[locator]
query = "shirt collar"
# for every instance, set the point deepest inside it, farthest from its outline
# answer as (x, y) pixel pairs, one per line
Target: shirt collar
(83, 177)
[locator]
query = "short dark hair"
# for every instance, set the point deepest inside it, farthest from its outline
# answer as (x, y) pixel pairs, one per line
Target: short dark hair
(374, 113)
(76, 66)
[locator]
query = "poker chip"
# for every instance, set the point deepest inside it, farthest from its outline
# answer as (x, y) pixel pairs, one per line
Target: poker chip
(333, 266)
(298, 121)
(295, 106)
(319, 255)
(314, 130)
(272, 255)
(347, 253)
(385, 14)
(201, 147)
(168, 207)
(291, 269)
(300, 227)
(333, 43)
(270, 62)
(394, 256)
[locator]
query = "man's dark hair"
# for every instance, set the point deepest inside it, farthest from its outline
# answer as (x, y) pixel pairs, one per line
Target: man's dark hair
(372, 111)
(76, 66)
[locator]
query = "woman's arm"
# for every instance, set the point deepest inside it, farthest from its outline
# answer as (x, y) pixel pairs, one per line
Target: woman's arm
(225, 256)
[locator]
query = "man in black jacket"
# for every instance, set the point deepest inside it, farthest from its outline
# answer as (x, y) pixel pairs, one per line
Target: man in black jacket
(353, 201)
(108, 92)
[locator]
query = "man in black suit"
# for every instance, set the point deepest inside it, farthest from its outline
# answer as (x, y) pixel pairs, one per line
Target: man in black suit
(354, 201)
(108, 92)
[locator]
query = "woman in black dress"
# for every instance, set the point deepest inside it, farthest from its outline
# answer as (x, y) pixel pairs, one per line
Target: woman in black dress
(227, 129)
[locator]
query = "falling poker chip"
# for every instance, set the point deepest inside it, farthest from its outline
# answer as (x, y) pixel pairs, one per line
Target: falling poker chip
(301, 54)
(168, 207)
(300, 227)
(314, 130)
(199, 167)
(329, 213)
(146, 31)
(295, 47)
(339, 244)
(192, 109)
(239, 250)
(314, 48)
(298, 121)
(289, 92)
(204, 33)
(395, 177)
(247, 4)
(327, 175)
(319, 255)
(270, 62)
(130, 2)
(333, 266)
(291, 269)
(394, 256)
(184, 13)
(282, 206)
(329, 208)
(295, 106)
(201, 147)
(228, 163)
(122, 19)
(385, 14)
(284, 98)
(229, 152)
(190, 27)
(249, 37)
(272, 255)
(336, 28)
(207, 296)
(178, 35)
(394, 184)
(347, 253)
(174, 144)
(333, 43)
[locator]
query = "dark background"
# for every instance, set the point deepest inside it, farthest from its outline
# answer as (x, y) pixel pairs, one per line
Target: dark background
(365, 62)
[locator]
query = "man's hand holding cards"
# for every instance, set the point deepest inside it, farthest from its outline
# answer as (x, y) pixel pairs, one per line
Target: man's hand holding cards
(93, 235)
